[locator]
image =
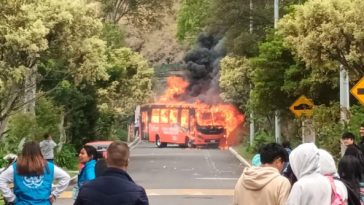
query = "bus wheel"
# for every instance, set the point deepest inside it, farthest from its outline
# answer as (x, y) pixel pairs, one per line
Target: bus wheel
(158, 142)
(189, 143)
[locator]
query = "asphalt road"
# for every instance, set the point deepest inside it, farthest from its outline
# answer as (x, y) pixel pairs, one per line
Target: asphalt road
(181, 176)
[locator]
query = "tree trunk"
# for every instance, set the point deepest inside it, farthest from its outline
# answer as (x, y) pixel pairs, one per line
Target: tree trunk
(30, 89)
(3, 124)
(62, 132)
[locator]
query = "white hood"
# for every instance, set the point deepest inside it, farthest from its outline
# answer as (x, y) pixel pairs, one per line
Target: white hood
(327, 163)
(304, 160)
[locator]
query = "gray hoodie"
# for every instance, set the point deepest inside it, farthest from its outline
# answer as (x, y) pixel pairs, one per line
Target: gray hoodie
(312, 188)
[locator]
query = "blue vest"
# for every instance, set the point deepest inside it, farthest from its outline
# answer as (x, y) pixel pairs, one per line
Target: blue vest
(87, 173)
(33, 190)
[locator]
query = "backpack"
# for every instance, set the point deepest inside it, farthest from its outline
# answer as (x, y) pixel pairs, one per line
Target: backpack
(335, 197)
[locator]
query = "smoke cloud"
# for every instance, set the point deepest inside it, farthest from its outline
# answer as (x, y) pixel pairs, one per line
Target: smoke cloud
(202, 69)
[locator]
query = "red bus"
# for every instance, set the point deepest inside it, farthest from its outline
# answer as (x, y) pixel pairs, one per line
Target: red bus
(182, 124)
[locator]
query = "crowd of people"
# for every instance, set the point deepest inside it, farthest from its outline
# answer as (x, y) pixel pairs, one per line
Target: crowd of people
(304, 175)
(103, 181)
(279, 176)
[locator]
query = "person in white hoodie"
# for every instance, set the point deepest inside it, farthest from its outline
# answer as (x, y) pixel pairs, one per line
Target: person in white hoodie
(312, 188)
(264, 184)
(328, 168)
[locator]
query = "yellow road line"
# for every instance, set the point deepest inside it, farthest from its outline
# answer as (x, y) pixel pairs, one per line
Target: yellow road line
(176, 192)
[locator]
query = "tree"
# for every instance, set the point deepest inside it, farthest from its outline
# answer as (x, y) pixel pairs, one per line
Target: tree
(139, 12)
(130, 84)
(326, 33)
(235, 80)
(191, 17)
(36, 31)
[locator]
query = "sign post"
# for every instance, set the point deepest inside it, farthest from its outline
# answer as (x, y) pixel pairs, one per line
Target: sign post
(302, 107)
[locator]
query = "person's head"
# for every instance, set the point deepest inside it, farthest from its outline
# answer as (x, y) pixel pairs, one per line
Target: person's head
(286, 144)
(30, 161)
(118, 155)
(361, 130)
(348, 138)
(47, 136)
(87, 153)
(273, 155)
(305, 160)
(327, 163)
(349, 168)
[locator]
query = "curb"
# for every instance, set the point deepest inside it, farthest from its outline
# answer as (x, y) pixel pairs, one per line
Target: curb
(134, 143)
(239, 157)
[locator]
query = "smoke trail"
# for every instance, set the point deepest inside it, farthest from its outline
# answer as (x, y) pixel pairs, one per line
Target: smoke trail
(202, 66)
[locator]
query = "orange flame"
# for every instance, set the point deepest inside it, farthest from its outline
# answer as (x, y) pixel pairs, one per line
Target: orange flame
(176, 86)
(225, 115)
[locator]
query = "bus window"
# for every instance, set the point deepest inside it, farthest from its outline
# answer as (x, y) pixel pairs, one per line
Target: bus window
(155, 115)
(184, 118)
(173, 113)
(164, 115)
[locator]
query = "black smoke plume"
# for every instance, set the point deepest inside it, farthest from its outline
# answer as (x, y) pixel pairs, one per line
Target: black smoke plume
(202, 68)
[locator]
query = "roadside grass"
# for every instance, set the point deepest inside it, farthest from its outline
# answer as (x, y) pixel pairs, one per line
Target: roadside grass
(244, 151)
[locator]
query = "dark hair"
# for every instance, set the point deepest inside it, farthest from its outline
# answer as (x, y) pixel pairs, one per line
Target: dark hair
(91, 151)
(349, 172)
(117, 154)
(354, 150)
(271, 152)
(362, 124)
(46, 135)
(348, 135)
(286, 144)
(31, 161)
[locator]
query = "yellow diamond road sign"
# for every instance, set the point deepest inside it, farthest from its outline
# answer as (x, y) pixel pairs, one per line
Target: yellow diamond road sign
(358, 91)
(302, 106)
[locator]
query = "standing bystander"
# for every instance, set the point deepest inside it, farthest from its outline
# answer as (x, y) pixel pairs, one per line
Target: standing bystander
(361, 133)
(312, 187)
(32, 177)
(47, 146)
(115, 186)
(264, 184)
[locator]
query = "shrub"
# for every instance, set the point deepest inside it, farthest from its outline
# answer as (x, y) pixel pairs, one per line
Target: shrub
(67, 157)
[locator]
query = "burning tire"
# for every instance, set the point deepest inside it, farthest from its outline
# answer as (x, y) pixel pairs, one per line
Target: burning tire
(159, 143)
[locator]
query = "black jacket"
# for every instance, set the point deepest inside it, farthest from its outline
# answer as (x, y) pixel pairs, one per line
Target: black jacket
(114, 187)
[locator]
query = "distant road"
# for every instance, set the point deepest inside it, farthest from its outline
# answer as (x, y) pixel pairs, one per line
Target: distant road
(180, 176)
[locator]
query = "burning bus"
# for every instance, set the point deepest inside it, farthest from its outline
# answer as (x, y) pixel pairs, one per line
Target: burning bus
(187, 125)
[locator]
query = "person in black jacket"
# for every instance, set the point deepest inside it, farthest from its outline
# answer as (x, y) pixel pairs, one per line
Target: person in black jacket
(115, 186)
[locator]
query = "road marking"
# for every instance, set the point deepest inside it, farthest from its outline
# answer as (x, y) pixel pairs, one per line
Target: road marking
(175, 192)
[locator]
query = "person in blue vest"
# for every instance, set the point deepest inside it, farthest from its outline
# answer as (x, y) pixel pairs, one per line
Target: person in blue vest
(32, 177)
(87, 157)
(115, 186)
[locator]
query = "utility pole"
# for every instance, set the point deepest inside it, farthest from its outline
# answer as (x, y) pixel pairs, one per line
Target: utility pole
(277, 119)
(252, 126)
(344, 99)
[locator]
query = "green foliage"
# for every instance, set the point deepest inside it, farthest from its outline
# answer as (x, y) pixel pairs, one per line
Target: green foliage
(67, 157)
(129, 84)
(190, 18)
(140, 13)
(356, 119)
(268, 70)
(47, 118)
(328, 128)
(234, 80)
(262, 137)
(327, 33)
(113, 35)
(21, 125)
